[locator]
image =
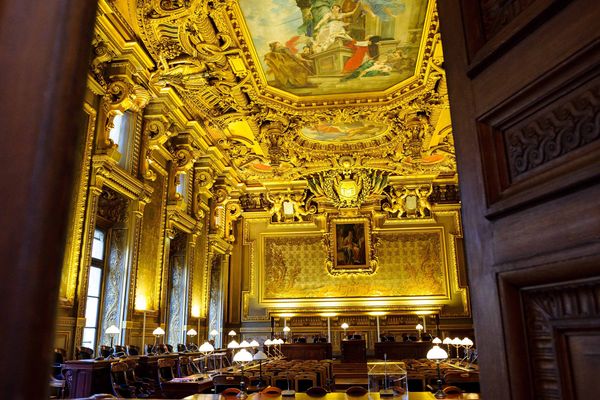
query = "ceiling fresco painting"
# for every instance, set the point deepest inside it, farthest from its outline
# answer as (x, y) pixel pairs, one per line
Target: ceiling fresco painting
(344, 132)
(235, 65)
(320, 47)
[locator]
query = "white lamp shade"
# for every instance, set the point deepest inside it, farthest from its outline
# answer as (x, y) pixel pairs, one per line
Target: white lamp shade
(112, 330)
(467, 342)
(345, 326)
(254, 343)
(192, 332)
(447, 341)
(214, 332)
(233, 345)
(437, 353)
(206, 348)
(278, 341)
(268, 342)
(244, 344)
(158, 331)
(286, 329)
(437, 340)
(260, 355)
(456, 341)
(419, 327)
(242, 356)
(232, 333)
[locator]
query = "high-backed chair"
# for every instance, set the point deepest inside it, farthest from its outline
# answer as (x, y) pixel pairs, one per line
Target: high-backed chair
(185, 366)
(133, 350)
(143, 388)
(467, 381)
(305, 381)
(222, 382)
(121, 385)
(166, 368)
(84, 353)
(283, 381)
(106, 351)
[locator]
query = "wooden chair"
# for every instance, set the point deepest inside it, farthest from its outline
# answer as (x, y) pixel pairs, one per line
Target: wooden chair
(305, 381)
(166, 368)
(143, 388)
(185, 366)
(467, 381)
(84, 353)
(121, 385)
(283, 381)
(316, 391)
(222, 382)
(356, 391)
(106, 351)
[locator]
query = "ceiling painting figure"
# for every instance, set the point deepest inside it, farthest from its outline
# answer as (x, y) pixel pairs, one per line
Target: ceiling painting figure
(323, 47)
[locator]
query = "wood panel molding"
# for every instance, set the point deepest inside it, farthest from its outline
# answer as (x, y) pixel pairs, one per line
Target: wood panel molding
(495, 27)
(551, 315)
(544, 136)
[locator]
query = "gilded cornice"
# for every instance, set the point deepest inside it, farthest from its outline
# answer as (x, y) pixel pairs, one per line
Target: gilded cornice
(106, 172)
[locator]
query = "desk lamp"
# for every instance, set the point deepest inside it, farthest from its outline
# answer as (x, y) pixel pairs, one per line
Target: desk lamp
(243, 357)
(438, 355)
(260, 356)
(112, 331)
(192, 332)
(206, 349)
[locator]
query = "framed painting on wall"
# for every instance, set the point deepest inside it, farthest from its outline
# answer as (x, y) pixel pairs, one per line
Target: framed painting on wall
(350, 246)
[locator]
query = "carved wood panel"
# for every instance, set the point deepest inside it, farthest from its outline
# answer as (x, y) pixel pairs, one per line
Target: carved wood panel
(563, 335)
(522, 144)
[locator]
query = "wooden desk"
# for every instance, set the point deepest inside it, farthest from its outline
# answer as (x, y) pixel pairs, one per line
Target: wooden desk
(402, 350)
(354, 351)
(87, 377)
(306, 351)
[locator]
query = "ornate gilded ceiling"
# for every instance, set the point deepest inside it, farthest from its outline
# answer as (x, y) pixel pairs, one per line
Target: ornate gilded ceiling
(287, 89)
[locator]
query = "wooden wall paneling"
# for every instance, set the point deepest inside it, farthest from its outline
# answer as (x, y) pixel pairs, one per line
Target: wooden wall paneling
(532, 230)
(44, 48)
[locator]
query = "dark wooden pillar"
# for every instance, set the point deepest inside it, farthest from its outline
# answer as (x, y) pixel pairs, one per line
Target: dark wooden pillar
(44, 52)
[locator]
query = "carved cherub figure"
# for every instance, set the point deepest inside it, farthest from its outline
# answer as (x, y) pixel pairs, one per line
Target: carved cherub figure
(423, 202)
(276, 205)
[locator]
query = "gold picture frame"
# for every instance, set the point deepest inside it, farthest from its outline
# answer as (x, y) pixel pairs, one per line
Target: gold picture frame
(350, 246)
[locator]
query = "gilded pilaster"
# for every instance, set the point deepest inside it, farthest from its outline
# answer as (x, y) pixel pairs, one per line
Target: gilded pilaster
(73, 250)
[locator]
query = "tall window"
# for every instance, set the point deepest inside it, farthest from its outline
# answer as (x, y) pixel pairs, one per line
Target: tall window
(119, 134)
(94, 289)
(182, 186)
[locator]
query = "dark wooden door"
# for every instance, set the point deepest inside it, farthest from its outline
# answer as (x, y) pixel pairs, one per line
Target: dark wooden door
(523, 78)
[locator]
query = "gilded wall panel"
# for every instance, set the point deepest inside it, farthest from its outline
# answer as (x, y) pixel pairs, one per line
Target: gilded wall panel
(412, 263)
(151, 247)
